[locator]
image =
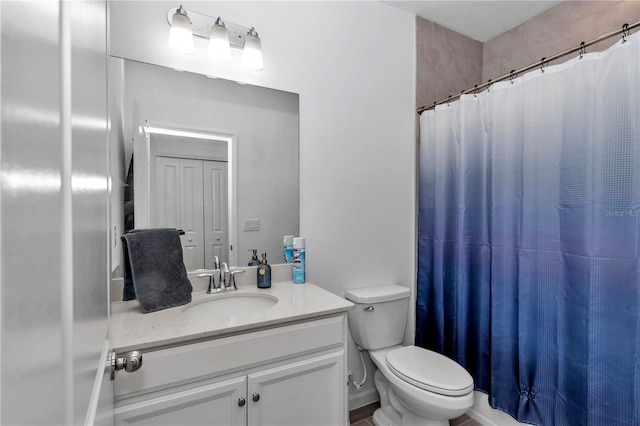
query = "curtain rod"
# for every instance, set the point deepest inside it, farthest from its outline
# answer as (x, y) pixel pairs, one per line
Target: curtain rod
(625, 31)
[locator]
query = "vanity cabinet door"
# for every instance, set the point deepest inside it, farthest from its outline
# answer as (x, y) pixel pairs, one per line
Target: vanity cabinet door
(307, 392)
(218, 404)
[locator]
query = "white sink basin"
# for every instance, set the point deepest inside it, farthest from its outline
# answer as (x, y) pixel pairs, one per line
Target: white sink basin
(230, 305)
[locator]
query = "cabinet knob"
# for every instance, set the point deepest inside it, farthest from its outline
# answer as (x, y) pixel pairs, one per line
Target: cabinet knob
(241, 402)
(256, 397)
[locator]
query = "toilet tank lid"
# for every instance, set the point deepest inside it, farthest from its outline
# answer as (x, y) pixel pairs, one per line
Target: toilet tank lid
(384, 293)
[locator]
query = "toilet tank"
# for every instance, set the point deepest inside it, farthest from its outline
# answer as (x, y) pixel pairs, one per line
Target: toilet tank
(380, 315)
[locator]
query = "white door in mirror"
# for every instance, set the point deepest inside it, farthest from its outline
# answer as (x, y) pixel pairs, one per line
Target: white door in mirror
(191, 195)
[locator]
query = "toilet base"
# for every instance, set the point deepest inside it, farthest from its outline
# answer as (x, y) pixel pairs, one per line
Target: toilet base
(380, 419)
(388, 415)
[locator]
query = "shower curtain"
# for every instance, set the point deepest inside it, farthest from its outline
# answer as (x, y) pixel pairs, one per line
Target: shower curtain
(528, 239)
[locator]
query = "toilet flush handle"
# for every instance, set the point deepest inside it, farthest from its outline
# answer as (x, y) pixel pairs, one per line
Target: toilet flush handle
(368, 309)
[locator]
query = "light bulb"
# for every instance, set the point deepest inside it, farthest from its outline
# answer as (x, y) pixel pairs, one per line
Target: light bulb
(219, 48)
(181, 36)
(252, 54)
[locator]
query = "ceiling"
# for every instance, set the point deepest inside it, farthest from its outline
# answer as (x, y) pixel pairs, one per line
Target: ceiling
(478, 19)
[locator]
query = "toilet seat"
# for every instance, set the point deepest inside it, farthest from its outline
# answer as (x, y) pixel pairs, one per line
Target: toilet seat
(429, 370)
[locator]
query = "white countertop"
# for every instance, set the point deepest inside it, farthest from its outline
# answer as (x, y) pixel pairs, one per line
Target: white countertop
(133, 330)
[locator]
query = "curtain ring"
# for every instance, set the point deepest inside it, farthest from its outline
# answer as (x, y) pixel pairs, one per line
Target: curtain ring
(489, 86)
(449, 101)
(625, 32)
(542, 65)
(512, 76)
(583, 49)
(475, 91)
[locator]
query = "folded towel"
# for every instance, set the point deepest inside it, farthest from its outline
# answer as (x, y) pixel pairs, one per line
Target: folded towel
(129, 292)
(155, 269)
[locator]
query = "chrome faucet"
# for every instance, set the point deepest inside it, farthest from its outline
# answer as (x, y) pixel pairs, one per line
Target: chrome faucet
(212, 282)
(216, 265)
(224, 270)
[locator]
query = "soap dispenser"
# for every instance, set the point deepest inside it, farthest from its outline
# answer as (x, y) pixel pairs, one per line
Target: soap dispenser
(264, 273)
(254, 259)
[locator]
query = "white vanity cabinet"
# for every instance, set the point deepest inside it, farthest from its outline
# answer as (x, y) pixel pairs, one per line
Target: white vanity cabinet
(287, 375)
(306, 392)
(212, 404)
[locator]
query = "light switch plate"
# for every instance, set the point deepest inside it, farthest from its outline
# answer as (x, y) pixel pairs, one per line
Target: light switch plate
(251, 224)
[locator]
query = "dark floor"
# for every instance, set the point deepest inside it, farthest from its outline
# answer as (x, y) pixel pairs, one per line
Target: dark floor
(363, 417)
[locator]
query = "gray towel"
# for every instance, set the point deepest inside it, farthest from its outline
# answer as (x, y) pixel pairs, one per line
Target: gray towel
(157, 269)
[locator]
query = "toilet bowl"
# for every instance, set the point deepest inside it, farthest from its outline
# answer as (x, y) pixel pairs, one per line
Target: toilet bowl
(426, 399)
(416, 386)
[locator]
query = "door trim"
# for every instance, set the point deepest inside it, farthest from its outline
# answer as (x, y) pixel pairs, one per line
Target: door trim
(100, 410)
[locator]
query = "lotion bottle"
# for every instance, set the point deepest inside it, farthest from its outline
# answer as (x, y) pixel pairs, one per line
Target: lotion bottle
(264, 273)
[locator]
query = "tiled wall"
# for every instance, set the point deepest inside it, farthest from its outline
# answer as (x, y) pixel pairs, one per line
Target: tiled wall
(559, 28)
(447, 62)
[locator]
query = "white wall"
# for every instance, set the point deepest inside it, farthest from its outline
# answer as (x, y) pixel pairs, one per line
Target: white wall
(119, 160)
(353, 64)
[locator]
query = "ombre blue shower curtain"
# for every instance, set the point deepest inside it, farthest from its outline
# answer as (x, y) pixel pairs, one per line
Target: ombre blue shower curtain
(528, 239)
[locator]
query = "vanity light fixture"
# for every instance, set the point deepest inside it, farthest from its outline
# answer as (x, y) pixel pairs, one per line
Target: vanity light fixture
(181, 36)
(219, 48)
(222, 36)
(252, 53)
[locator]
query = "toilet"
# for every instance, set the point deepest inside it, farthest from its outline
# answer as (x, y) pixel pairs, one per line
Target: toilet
(416, 386)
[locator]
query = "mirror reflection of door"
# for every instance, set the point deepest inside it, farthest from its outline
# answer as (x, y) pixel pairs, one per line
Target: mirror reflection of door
(216, 227)
(191, 194)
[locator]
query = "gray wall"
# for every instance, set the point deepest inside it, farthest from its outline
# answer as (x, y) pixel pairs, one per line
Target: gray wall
(447, 62)
(555, 30)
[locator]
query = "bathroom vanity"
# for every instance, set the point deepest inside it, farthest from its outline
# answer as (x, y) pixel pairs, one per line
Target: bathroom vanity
(279, 361)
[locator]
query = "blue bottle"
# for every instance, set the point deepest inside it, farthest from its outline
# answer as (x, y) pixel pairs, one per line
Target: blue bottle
(264, 273)
(298, 260)
(288, 249)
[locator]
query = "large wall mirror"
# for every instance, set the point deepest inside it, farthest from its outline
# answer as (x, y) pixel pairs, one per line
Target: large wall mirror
(212, 157)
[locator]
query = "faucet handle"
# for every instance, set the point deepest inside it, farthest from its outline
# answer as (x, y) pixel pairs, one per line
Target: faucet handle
(205, 275)
(232, 280)
(212, 284)
(216, 262)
